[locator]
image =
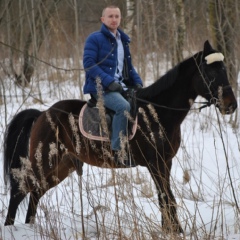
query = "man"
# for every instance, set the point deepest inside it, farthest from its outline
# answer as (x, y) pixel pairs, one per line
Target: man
(107, 57)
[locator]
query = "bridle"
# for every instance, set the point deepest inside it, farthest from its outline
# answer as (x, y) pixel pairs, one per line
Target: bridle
(213, 92)
(205, 104)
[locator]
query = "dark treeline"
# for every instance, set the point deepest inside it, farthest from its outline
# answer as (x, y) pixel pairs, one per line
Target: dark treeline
(163, 29)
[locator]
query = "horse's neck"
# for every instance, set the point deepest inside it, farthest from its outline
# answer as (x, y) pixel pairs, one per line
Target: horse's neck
(177, 100)
(182, 92)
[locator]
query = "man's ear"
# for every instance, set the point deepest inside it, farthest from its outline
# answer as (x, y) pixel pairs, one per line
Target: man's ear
(102, 19)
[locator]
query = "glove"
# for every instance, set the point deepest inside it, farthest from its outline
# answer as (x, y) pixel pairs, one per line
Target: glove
(115, 87)
(138, 86)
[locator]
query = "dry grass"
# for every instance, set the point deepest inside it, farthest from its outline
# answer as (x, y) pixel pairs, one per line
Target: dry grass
(123, 204)
(115, 202)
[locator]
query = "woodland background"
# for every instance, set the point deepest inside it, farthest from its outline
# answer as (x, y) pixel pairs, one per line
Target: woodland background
(41, 47)
(38, 33)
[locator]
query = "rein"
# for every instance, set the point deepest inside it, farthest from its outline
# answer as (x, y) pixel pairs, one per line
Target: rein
(206, 104)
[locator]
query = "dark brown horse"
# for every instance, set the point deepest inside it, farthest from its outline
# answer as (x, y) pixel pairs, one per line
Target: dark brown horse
(56, 144)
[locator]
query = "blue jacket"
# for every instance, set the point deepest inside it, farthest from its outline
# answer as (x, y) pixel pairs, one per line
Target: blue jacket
(100, 60)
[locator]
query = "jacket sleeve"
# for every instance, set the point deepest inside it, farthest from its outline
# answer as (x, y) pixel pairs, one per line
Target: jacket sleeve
(90, 61)
(136, 78)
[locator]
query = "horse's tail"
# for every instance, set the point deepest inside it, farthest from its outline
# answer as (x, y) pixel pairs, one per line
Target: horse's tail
(16, 140)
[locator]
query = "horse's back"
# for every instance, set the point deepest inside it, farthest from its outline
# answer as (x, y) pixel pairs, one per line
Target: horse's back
(56, 121)
(68, 106)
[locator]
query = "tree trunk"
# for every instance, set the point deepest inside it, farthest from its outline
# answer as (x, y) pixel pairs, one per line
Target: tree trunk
(177, 30)
(35, 37)
(222, 19)
(181, 29)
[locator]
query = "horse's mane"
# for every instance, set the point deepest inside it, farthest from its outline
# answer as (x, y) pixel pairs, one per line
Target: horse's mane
(168, 79)
(163, 83)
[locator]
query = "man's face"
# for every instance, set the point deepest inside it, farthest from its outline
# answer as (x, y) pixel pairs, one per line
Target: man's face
(111, 18)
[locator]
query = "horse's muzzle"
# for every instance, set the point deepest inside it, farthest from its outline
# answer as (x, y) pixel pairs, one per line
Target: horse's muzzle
(229, 109)
(225, 101)
(227, 105)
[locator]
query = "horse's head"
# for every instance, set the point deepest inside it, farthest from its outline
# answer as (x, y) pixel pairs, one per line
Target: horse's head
(212, 83)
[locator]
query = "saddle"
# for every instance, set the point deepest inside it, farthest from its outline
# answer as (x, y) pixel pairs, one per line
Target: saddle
(98, 126)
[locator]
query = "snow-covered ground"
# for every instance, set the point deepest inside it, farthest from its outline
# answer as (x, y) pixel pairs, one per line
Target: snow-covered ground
(107, 202)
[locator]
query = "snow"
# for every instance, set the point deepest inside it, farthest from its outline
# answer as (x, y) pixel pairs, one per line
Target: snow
(105, 202)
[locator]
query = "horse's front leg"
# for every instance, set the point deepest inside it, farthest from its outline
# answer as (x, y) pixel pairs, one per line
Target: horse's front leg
(161, 177)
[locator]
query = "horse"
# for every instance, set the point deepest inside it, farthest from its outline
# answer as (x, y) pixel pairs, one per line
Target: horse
(46, 145)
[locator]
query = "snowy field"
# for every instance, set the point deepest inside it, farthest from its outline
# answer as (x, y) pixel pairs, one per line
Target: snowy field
(105, 202)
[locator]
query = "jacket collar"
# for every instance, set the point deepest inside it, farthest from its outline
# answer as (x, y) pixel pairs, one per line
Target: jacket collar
(105, 31)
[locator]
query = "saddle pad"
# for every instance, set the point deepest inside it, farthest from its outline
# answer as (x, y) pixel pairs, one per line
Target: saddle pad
(90, 124)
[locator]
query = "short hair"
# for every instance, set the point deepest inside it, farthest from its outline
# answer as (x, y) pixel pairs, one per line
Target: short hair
(109, 6)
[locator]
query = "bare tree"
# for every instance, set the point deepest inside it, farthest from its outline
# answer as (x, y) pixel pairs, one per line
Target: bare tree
(41, 15)
(180, 29)
(160, 31)
(222, 16)
(26, 26)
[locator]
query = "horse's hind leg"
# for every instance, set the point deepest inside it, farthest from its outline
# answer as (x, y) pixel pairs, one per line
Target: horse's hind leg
(62, 171)
(16, 196)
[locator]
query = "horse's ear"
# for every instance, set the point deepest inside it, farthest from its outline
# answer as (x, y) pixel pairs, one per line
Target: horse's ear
(207, 48)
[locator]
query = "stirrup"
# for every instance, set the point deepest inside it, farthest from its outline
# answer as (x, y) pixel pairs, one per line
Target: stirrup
(125, 162)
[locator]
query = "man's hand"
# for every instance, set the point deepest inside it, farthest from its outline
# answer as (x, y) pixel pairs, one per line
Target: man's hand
(138, 86)
(115, 87)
